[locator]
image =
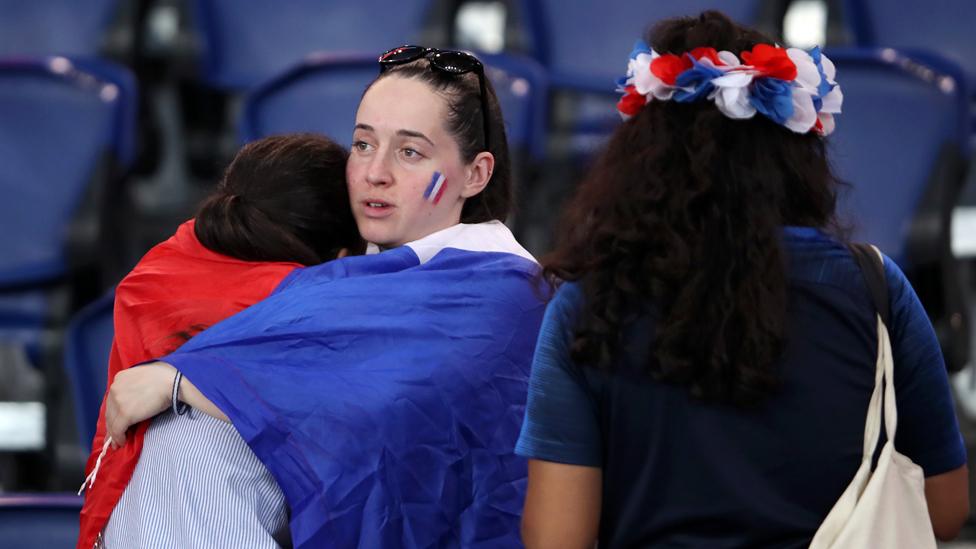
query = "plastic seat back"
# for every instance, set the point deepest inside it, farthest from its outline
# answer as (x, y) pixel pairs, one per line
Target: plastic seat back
(585, 44)
(39, 521)
(249, 41)
(64, 123)
(54, 27)
(943, 27)
(900, 118)
(86, 357)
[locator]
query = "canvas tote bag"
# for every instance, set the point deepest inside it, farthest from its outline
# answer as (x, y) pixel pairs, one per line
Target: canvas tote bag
(884, 508)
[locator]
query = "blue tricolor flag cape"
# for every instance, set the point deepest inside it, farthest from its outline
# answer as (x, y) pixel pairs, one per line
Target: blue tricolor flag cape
(385, 392)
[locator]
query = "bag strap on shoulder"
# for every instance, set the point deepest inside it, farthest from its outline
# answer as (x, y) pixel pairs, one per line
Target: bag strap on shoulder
(872, 267)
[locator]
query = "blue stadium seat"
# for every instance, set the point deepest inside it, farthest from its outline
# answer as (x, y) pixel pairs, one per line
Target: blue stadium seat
(899, 115)
(585, 44)
(89, 342)
(54, 27)
(67, 130)
(943, 27)
(39, 521)
(900, 143)
(248, 41)
(522, 86)
(322, 95)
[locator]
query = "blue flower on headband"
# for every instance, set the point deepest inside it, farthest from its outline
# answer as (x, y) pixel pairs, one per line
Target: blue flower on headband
(773, 98)
(824, 87)
(699, 77)
(640, 47)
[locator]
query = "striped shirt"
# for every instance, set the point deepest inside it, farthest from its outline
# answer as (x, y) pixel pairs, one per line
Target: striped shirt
(198, 485)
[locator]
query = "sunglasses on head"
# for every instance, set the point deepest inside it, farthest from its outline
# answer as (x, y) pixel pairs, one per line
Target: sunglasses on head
(449, 61)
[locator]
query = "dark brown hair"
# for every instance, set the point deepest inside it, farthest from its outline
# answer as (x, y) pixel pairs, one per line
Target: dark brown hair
(681, 217)
(465, 123)
(283, 198)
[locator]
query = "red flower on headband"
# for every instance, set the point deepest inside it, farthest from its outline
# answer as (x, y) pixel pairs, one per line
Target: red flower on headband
(708, 53)
(770, 61)
(667, 67)
(631, 103)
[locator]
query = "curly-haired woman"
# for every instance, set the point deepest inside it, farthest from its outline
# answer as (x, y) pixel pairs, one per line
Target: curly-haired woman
(703, 372)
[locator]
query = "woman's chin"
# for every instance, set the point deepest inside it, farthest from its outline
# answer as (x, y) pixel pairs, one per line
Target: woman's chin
(377, 232)
(382, 239)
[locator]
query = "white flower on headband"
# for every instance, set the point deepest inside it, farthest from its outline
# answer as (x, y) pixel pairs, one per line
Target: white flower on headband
(731, 93)
(804, 89)
(644, 80)
(832, 100)
(792, 87)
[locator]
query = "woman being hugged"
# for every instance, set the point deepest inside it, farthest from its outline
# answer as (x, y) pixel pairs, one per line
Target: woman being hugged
(281, 204)
(703, 372)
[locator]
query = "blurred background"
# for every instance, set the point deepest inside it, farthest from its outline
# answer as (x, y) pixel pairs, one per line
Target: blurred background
(117, 116)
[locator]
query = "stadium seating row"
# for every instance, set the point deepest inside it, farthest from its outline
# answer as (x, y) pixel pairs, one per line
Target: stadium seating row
(68, 132)
(246, 42)
(901, 182)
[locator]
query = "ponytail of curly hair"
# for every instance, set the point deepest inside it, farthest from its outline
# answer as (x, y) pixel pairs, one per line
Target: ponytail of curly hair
(681, 217)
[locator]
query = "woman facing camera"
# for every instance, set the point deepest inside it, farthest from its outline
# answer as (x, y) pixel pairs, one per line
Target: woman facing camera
(384, 392)
(704, 370)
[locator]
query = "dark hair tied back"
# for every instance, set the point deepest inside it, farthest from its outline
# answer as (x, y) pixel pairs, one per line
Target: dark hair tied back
(283, 198)
(681, 218)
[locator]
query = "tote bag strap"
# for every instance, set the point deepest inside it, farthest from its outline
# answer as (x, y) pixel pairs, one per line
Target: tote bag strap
(869, 259)
(853, 517)
(871, 264)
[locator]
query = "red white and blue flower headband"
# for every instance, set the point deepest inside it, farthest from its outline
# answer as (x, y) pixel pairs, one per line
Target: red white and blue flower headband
(792, 87)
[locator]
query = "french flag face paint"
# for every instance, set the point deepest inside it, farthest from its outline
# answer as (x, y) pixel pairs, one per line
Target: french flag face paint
(436, 188)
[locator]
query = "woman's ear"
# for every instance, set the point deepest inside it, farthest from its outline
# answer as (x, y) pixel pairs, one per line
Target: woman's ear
(479, 174)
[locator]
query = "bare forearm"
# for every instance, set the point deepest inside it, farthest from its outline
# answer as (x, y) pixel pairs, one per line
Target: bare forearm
(192, 396)
(142, 392)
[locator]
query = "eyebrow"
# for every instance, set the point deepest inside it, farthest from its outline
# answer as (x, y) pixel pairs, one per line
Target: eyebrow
(404, 133)
(418, 135)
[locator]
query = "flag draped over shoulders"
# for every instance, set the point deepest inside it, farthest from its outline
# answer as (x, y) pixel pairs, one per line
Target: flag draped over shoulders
(385, 392)
(177, 289)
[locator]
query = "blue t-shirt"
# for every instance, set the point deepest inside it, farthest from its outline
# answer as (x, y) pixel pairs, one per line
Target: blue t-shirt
(681, 473)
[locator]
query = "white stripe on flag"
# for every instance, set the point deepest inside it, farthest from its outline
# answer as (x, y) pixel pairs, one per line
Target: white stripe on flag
(437, 187)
